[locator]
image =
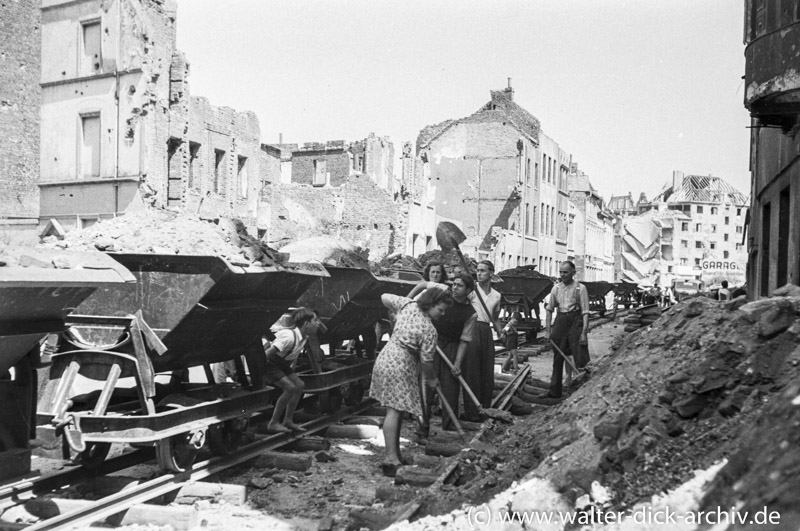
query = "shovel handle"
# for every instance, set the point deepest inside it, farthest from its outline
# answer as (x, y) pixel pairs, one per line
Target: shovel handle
(566, 359)
(450, 411)
(460, 378)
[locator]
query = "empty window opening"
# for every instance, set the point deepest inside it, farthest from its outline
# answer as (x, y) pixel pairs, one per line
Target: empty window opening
(90, 145)
(783, 237)
(241, 175)
(320, 172)
(92, 61)
(219, 169)
(194, 165)
(174, 170)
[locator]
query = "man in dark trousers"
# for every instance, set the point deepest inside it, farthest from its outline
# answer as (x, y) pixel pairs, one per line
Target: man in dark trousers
(572, 323)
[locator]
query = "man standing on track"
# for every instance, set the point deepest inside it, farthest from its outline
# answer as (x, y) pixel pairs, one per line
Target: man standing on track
(569, 332)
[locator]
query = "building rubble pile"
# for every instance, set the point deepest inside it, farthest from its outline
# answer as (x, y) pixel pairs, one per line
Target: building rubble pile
(708, 380)
(400, 261)
(327, 251)
(642, 317)
(164, 232)
(528, 271)
(15, 257)
(449, 258)
(680, 395)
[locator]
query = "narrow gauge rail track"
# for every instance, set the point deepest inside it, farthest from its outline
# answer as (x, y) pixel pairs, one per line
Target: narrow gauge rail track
(110, 505)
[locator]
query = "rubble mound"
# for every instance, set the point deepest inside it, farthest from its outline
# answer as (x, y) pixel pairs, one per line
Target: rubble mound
(327, 251)
(448, 258)
(707, 380)
(400, 261)
(527, 271)
(27, 257)
(164, 232)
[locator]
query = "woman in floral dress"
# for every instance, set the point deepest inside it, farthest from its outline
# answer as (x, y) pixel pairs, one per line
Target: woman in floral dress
(396, 372)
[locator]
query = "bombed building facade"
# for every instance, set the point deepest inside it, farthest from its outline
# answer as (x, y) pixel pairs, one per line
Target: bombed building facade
(338, 189)
(693, 229)
(120, 128)
(772, 95)
(503, 181)
(593, 228)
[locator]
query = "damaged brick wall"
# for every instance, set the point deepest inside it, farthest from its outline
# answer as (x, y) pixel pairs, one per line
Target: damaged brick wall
(321, 164)
(20, 46)
(357, 211)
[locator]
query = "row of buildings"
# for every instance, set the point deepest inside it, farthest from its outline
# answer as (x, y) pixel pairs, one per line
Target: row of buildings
(100, 121)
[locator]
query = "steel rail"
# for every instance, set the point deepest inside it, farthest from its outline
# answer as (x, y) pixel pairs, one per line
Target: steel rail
(115, 503)
(12, 494)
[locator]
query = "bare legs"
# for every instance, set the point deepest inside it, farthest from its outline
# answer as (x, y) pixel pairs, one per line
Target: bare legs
(292, 388)
(391, 436)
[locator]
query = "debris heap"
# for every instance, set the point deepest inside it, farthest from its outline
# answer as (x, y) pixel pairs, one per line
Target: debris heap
(680, 395)
(164, 232)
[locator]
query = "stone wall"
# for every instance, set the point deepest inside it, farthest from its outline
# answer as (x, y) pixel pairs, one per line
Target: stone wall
(357, 211)
(20, 48)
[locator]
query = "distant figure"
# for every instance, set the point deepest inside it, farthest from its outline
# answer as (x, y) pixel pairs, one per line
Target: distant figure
(512, 343)
(724, 293)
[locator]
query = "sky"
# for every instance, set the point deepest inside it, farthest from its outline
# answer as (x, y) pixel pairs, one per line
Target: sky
(633, 89)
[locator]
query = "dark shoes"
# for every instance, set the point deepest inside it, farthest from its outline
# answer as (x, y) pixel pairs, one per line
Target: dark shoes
(389, 469)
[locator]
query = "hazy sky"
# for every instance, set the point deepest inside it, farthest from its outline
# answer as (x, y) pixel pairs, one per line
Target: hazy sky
(632, 89)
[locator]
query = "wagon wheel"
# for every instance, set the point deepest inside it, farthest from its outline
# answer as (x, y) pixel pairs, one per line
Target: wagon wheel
(226, 437)
(177, 453)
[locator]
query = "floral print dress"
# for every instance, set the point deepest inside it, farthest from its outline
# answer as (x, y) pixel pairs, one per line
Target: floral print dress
(395, 375)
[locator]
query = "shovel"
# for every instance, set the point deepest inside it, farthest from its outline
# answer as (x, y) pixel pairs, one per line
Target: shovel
(491, 412)
(449, 236)
(578, 373)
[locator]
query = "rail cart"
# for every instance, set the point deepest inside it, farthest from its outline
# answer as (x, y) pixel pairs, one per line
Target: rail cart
(625, 294)
(523, 290)
(597, 291)
(34, 302)
(349, 303)
(140, 340)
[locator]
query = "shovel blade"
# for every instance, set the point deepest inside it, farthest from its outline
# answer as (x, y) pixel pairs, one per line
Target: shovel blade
(449, 236)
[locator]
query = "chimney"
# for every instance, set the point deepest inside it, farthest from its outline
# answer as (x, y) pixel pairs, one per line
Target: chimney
(280, 138)
(677, 181)
(509, 91)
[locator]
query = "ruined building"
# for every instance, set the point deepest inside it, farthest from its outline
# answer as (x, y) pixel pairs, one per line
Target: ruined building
(20, 44)
(119, 127)
(593, 227)
(498, 176)
(772, 95)
(693, 229)
(333, 189)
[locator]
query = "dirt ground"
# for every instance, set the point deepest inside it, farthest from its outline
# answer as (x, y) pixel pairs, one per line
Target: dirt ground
(696, 412)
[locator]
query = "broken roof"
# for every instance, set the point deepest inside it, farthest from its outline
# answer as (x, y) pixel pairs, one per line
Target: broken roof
(621, 202)
(701, 189)
(501, 108)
